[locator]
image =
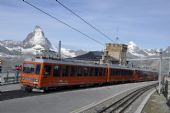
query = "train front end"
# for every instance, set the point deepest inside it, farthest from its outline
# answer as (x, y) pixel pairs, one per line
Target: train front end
(30, 76)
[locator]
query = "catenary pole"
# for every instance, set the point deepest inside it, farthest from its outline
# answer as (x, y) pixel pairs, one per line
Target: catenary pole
(160, 72)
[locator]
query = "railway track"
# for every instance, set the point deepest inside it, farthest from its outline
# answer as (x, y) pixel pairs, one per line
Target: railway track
(18, 93)
(120, 105)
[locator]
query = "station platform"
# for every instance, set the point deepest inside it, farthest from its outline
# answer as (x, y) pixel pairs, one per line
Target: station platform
(10, 87)
(156, 104)
(59, 101)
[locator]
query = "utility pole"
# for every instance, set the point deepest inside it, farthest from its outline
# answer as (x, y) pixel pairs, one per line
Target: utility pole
(59, 50)
(160, 72)
(169, 68)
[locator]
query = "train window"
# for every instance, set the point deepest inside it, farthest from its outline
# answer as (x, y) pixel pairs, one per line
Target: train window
(103, 72)
(47, 70)
(117, 72)
(85, 71)
(28, 68)
(126, 72)
(130, 72)
(91, 71)
(37, 69)
(113, 72)
(56, 71)
(100, 71)
(65, 71)
(73, 71)
(96, 71)
(123, 72)
(79, 71)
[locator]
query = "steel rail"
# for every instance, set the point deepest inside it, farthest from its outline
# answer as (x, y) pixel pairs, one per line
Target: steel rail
(122, 104)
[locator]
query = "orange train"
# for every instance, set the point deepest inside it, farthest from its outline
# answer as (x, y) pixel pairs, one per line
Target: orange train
(48, 73)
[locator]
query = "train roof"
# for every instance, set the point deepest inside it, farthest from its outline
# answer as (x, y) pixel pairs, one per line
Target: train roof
(84, 63)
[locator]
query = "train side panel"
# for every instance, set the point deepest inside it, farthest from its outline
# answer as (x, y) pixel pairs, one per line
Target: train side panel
(60, 75)
(48, 74)
(120, 75)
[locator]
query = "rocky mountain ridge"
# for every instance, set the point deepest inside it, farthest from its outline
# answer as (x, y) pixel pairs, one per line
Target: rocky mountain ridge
(36, 40)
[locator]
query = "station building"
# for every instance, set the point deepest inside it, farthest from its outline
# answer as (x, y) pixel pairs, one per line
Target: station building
(114, 54)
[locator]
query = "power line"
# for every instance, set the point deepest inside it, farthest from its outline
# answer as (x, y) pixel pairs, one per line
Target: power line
(63, 22)
(85, 21)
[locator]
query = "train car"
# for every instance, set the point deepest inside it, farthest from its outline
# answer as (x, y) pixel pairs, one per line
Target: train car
(148, 75)
(48, 73)
(120, 74)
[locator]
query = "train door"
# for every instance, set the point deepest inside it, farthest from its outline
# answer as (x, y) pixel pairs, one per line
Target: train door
(47, 74)
(65, 75)
(57, 74)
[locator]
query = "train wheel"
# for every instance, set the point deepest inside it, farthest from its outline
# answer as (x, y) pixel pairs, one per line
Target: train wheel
(29, 89)
(46, 90)
(26, 88)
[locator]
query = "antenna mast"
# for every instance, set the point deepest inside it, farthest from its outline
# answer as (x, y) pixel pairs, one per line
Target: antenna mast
(59, 50)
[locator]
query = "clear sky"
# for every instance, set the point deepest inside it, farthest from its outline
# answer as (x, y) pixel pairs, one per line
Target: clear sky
(145, 22)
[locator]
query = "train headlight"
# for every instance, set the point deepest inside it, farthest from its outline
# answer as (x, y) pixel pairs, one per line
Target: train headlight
(22, 78)
(35, 81)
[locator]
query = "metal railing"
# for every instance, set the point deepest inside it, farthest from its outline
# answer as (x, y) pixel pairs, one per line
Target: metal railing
(9, 77)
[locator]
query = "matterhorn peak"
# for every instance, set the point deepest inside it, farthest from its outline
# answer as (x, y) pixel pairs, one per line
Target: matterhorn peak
(37, 29)
(37, 39)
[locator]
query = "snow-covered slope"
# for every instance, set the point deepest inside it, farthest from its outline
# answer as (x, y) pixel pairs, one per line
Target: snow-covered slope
(135, 51)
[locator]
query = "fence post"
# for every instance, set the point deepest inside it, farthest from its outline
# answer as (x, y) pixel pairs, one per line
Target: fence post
(7, 77)
(0, 78)
(17, 75)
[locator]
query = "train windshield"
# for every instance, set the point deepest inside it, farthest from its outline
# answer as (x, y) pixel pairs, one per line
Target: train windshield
(31, 68)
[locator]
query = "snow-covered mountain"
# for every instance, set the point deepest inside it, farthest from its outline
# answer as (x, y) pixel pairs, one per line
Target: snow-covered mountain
(37, 39)
(135, 52)
(33, 42)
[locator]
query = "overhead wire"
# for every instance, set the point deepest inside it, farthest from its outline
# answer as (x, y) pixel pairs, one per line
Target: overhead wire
(63, 22)
(99, 31)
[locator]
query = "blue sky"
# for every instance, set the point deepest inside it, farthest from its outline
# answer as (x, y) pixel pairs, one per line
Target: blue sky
(145, 22)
